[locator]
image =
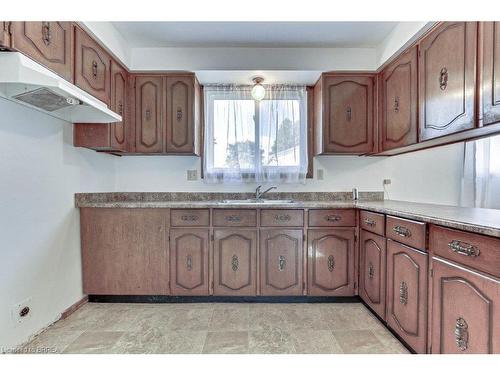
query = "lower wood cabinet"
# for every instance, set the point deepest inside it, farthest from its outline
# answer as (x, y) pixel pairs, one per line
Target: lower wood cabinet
(281, 262)
(372, 271)
(465, 310)
(4, 35)
(235, 258)
(124, 251)
(189, 261)
(407, 294)
(331, 262)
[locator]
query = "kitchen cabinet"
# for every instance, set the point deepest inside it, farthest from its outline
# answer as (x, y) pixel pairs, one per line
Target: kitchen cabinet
(92, 67)
(447, 79)
(108, 137)
(407, 294)
(189, 261)
(408, 232)
(4, 35)
(50, 43)
(465, 310)
(331, 262)
(235, 262)
(399, 102)
(372, 271)
(491, 72)
(124, 252)
(148, 123)
(344, 114)
(281, 261)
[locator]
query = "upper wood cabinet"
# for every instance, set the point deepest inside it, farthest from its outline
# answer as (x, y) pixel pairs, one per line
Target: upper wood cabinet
(344, 118)
(49, 42)
(148, 124)
(92, 66)
(447, 78)
(465, 311)
(331, 262)
(399, 102)
(491, 72)
(4, 35)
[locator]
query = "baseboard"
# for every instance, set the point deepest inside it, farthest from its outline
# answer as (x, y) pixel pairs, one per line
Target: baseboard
(70, 310)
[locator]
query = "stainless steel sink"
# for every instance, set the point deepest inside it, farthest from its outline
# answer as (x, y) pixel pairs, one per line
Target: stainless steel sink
(256, 201)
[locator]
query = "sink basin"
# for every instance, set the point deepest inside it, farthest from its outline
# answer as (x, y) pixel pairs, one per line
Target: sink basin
(256, 201)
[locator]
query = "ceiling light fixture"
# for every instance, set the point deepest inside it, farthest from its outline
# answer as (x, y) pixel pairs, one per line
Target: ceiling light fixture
(258, 91)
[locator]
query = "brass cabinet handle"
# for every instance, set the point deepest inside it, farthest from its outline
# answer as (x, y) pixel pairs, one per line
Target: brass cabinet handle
(283, 217)
(369, 222)
(120, 109)
(234, 263)
(189, 263)
(179, 114)
(94, 69)
(46, 34)
(281, 263)
(333, 218)
(233, 218)
(402, 231)
(461, 334)
(331, 263)
(443, 78)
(371, 270)
(403, 292)
(464, 248)
(396, 104)
(189, 217)
(349, 114)
(148, 114)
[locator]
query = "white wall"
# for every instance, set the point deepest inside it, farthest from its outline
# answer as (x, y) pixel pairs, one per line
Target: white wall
(39, 227)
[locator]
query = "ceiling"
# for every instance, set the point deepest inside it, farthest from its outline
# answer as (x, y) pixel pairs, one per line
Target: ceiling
(254, 34)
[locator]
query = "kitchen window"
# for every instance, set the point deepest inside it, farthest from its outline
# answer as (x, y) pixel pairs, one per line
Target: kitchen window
(248, 140)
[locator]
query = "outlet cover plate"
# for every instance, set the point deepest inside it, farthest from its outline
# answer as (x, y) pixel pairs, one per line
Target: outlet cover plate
(18, 307)
(192, 175)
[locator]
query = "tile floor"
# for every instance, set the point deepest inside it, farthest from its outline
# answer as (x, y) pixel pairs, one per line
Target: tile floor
(218, 328)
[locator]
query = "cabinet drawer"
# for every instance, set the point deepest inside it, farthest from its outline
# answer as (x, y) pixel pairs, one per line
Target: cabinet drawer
(234, 218)
(332, 218)
(372, 222)
(282, 218)
(474, 250)
(190, 218)
(408, 232)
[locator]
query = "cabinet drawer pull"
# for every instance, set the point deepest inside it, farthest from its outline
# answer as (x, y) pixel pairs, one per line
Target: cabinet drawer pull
(403, 293)
(349, 114)
(464, 248)
(120, 109)
(461, 334)
(333, 218)
(402, 231)
(189, 263)
(331, 263)
(179, 114)
(443, 78)
(371, 270)
(234, 263)
(94, 69)
(369, 222)
(283, 217)
(46, 34)
(396, 104)
(189, 217)
(148, 114)
(281, 263)
(233, 218)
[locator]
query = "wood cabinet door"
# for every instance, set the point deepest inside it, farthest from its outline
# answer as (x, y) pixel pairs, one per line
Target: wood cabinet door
(491, 72)
(124, 251)
(189, 262)
(331, 262)
(281, 262)
(148, 99)
(465, 311)
(49, 42)
(372, 271)
(235, 262)
(92, 67)
(118, 105)
(348, 114)
(447, 75)
(4, 34)
(407, 294)
(399, 102)
(179, 121)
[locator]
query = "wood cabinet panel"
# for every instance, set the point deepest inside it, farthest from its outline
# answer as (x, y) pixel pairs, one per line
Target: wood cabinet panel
(372, 271)
(124, 251)
(399, 102)
(447, 71)
(234, 218)
(491, 72)
(190, 218)
(189, 261)
(235, 262)
(372, 222)
(408, 232)
(49, 42)
(331, 262)
(465, 311)
(4, 35)
(148, 107)
(281, 262)
(332, 218)
(92, 67)
(407, 294)
(282, 218)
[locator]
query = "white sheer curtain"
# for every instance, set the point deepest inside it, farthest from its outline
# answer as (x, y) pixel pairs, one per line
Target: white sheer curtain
(247, 140)
(481, 174)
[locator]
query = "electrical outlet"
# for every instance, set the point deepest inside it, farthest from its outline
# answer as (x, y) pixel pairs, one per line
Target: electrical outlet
(192, 175)
(22, 311)
(320, 174)
(387, 181)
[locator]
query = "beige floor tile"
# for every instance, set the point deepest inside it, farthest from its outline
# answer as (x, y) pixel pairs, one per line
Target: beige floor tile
(304, 316)
(191, 319)
(265, 317)
(390, 341)
(145, 342)
(234, 342)
(307, 341)
(182, 342)
(348, 317)
(271, 341)
(361, 341)
(53, 340)
(91, 342)
(230, 318)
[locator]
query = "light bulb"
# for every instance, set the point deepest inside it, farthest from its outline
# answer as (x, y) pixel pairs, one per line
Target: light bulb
(258, 91)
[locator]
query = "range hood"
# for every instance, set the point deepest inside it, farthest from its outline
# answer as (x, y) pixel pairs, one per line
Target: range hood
(26, 82)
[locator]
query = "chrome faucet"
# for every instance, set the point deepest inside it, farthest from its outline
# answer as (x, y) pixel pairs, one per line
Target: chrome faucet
(259, 193)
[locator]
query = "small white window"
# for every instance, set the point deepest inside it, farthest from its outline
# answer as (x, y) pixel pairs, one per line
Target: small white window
(248, 140)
